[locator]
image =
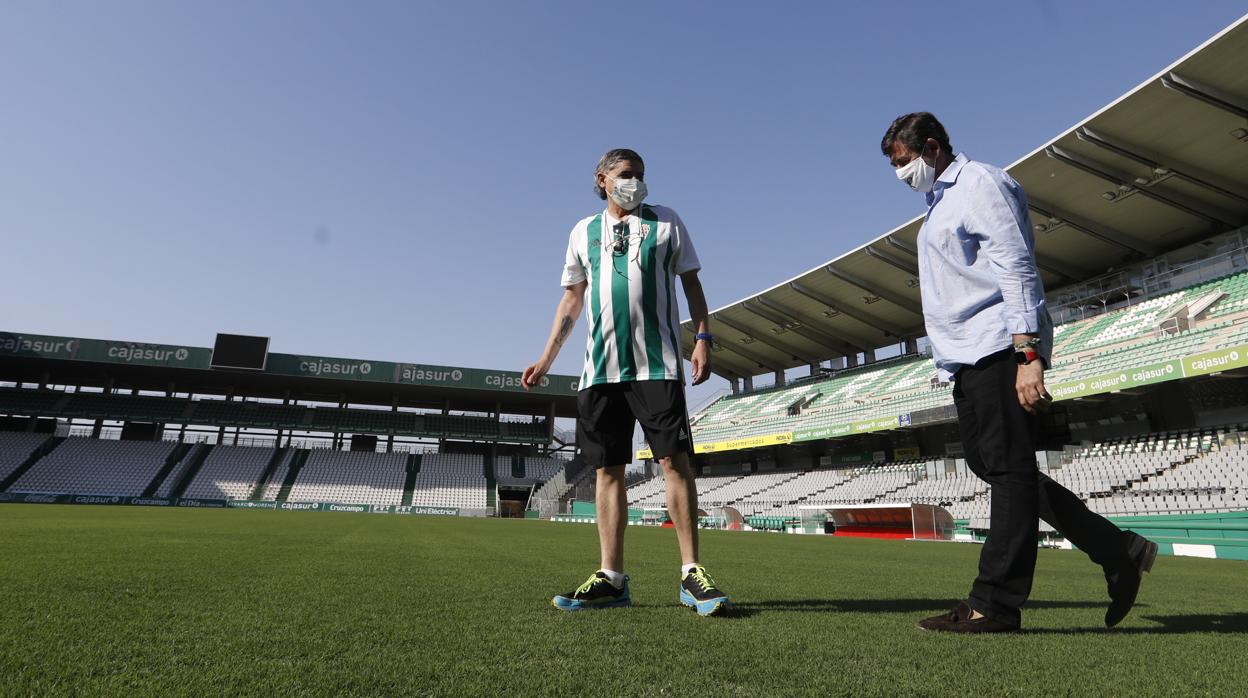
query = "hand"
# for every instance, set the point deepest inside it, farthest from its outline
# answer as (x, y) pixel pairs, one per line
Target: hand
(1030, 387)
(701, 360)
(532, 375)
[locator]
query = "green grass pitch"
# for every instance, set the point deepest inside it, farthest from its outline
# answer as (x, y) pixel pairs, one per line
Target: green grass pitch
(113, 600)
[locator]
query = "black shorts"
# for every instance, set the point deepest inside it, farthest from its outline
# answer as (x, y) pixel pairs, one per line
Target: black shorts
(605, 415)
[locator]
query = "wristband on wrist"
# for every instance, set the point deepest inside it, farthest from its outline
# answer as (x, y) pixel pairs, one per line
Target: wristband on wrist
(1029, 344)
(1026, 356)
(703, 336)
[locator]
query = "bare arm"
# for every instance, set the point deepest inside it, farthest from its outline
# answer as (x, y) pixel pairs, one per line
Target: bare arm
(569, 308)
(696, 298)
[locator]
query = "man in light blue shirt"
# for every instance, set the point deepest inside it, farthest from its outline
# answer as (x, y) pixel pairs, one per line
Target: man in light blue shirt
(981, 291)
(984, 308)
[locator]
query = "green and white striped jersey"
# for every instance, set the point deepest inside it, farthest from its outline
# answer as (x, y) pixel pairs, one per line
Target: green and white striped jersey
(631, 306)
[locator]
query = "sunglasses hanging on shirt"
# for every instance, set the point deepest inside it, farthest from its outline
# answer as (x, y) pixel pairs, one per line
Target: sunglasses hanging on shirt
(623, 239)
(620, 246)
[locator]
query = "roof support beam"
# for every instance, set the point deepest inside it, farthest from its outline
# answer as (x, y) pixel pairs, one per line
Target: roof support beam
(774, 340)
(903, 303)
(1092, 230)
(782, 321)
(782, 315)
(845, 342)
(1209, 95)
(1046, 264)
(762, 337)
(1104, 172)
(813, 325)
(757, 363)
(903, 246)
(904, 267)
(1157, 168)
(865, 318)
(736, 348)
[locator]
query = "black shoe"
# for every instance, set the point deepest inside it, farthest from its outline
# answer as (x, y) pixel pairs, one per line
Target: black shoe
(698, 591)
(1124, 583)
(959, 621)
(596, 592)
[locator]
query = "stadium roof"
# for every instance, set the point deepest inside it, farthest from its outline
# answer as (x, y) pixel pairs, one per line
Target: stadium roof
(162, 367)
(1159, 168)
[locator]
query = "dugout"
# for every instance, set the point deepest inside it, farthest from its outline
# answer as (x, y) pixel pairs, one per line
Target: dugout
(907, 521)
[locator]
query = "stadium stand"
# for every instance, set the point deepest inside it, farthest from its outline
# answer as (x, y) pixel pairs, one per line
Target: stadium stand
(365, 421)
(787, 494)
(747, 489)
(707, 486)
(230, 472)
(89, 466)
(1154, 474)
(246, 413)
(350, 477)
(97, 467)
(193, 458)
(1198, 471)
(450, 480)
(528, 431)
(1142, 475)
(265, 415)
(272, 487)
(15, 448)
(534, 470)
(550, 495)
(646, 492)
(541, 469)
(1137, 334)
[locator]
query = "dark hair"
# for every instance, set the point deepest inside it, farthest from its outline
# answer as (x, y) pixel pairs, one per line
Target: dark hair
(912, 131)
(609, 160)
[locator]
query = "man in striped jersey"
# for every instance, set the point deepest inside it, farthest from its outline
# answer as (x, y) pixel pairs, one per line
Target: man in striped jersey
(627, 258)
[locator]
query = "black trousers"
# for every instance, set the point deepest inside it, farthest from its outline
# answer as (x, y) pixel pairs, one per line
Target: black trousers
(1000, 440)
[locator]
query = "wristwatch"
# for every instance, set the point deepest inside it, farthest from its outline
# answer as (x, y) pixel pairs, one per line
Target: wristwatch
(1026, 352)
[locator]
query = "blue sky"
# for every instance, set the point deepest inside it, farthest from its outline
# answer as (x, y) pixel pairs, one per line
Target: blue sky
(396, 181)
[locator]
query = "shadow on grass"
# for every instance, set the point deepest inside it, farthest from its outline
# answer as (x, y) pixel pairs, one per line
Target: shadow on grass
(1220, 623)
(737, 611)
(1223, 623)
(732, 611)
(891, 605)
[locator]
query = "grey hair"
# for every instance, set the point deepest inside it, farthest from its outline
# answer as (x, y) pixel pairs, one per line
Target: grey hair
(609, 160)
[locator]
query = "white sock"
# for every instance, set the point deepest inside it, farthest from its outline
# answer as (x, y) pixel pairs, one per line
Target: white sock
(686, 569)
(616, 578)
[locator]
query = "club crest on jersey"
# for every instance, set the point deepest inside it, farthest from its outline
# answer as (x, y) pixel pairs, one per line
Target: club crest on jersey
(645, 228)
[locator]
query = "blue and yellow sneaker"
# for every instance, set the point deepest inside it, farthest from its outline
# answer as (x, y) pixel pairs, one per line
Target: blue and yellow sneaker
(698, 590)
(596, 592)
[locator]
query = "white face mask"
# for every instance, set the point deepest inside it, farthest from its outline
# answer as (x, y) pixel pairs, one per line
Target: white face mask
(628, 193)
(918, 174)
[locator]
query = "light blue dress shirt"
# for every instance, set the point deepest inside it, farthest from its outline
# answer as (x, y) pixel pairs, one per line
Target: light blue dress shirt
(977, 267)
